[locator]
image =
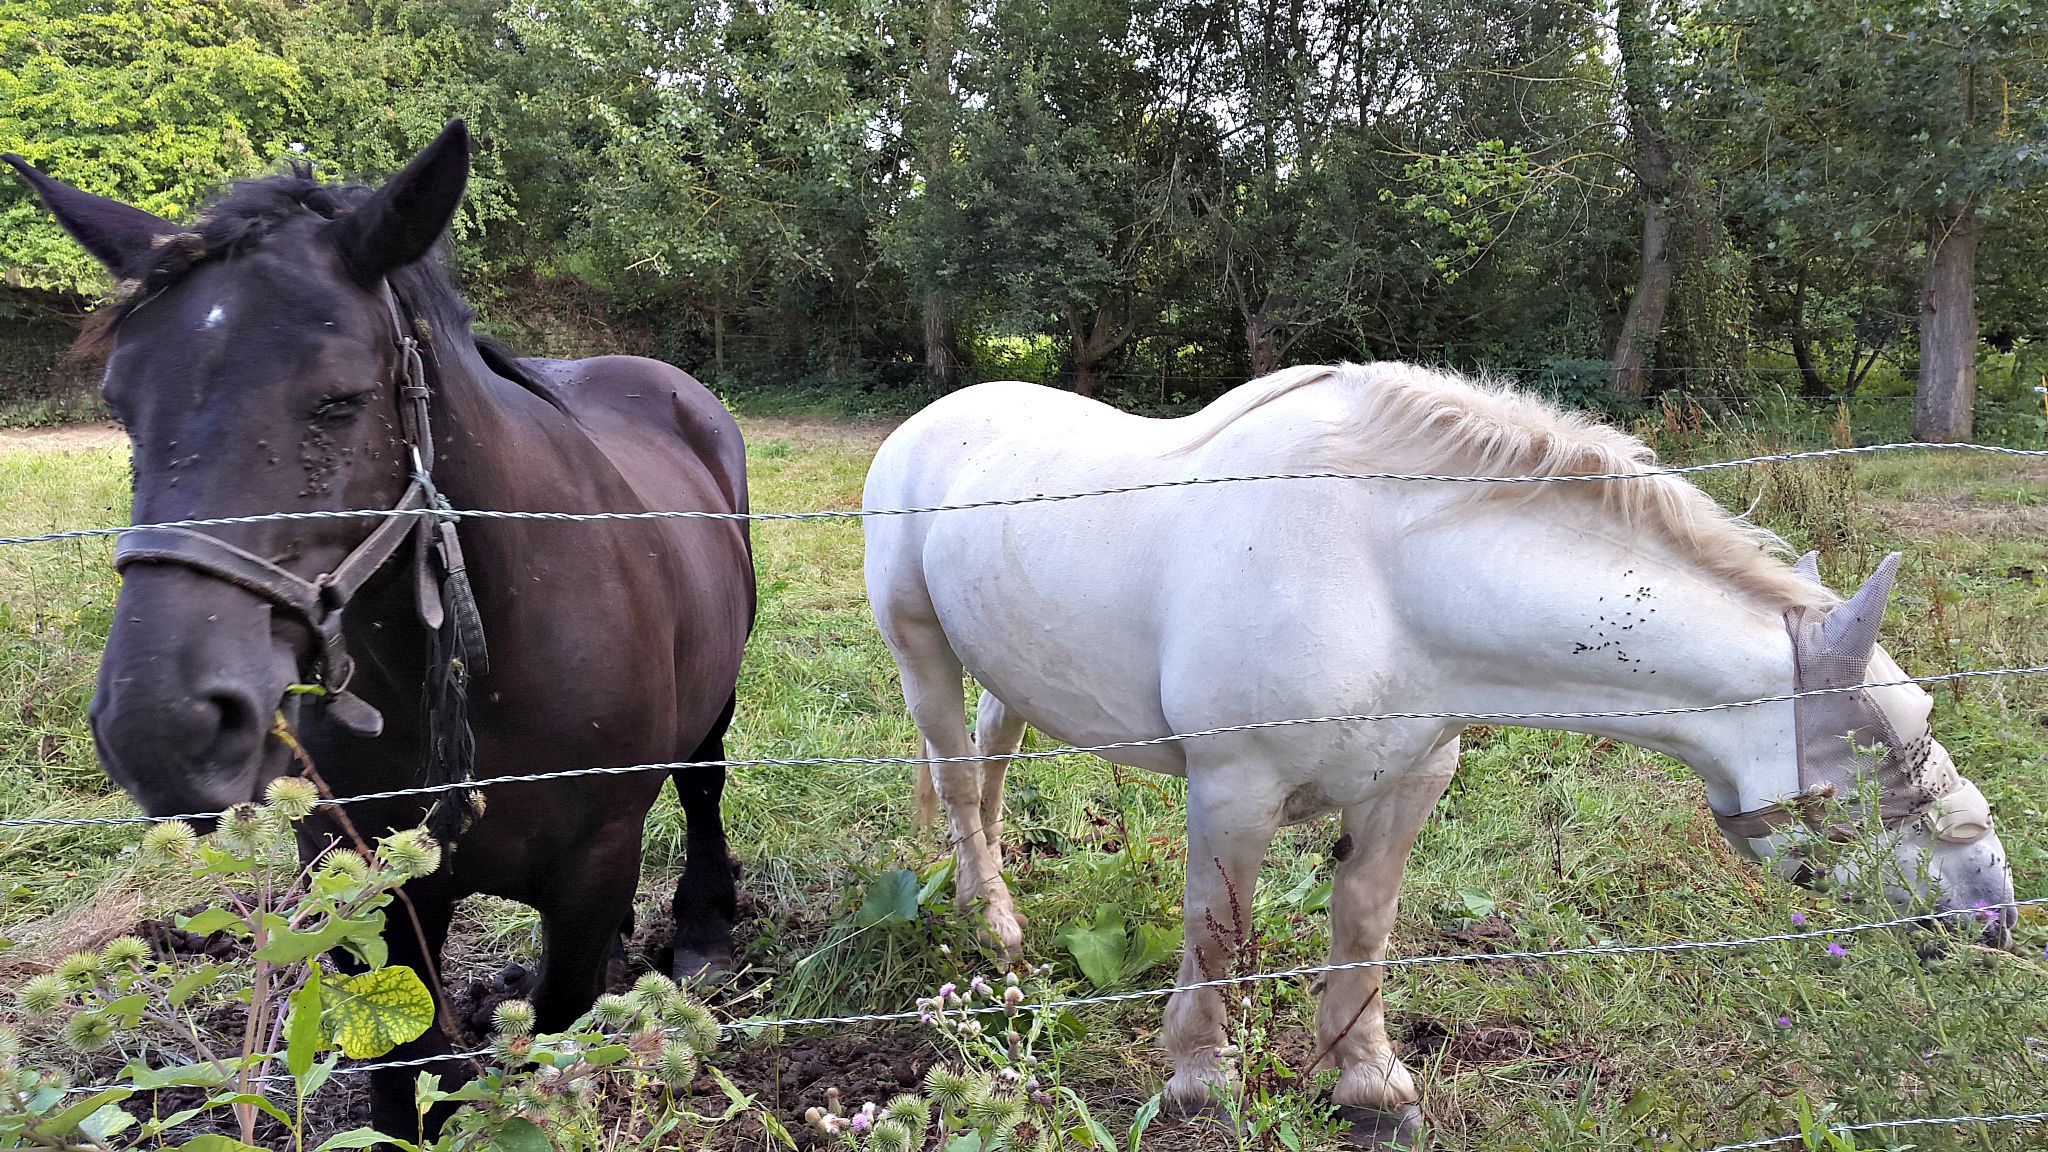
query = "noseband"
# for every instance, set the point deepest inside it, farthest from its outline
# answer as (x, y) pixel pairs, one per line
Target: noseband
(317, 604)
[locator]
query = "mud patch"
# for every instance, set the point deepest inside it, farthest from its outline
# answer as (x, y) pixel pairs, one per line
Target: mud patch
(789, 1078)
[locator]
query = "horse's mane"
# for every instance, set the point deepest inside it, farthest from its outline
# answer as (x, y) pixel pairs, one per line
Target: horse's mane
(1404, 418)
(250, 212)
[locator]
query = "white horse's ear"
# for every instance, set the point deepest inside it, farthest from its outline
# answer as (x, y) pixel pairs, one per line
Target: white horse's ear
(1809, 567)
(1849, 630)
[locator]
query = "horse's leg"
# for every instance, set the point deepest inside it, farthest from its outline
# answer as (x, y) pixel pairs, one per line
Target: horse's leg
(998, 734)
(393, 1110)
(579, 925)
(706, 901)
(1229, 831)
(931, 686)
(1375, 1092)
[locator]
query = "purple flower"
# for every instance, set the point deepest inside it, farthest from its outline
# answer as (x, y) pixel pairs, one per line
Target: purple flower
(1798, 918)
(1784, 1021)
(1838, 949)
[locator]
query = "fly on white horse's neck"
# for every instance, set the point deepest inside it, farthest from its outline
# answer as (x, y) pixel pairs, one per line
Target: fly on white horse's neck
(1134, 616)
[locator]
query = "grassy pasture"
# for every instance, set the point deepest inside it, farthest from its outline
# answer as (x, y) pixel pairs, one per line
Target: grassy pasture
(1545, 839)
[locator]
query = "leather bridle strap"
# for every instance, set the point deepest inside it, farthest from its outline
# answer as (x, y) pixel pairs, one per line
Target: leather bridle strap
(317, 604)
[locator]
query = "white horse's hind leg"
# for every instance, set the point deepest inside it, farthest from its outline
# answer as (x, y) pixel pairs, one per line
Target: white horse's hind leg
(998, 734)
(931, 686)
(1229, 832)
(1351, 1026)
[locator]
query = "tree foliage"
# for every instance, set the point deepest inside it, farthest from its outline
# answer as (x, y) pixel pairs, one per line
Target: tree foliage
(1174, 192)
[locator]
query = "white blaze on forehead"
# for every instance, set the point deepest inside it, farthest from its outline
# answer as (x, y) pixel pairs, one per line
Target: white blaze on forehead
(214, 317)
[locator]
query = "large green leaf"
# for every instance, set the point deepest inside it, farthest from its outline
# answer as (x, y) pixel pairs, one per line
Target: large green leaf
(302, 1029)
(370, 1014)
(891, 898)
(287, 947)
(521, 1136)
(1099, 948)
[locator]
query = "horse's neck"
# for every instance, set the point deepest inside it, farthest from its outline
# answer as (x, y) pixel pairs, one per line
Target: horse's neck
(1548, 605)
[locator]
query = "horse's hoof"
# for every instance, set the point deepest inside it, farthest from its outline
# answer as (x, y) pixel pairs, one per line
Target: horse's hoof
(1372, 1129)
(1209, 1110)
(705, 968)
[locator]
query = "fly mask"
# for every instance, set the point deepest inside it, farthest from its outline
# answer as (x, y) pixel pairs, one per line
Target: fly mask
(1845, 737)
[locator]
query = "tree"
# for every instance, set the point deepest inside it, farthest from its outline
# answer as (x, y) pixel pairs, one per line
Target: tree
(154, 103)
(1914, 125)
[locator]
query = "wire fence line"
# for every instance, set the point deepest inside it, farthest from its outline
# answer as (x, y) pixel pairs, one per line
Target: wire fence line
(1010, 502)
(1049, 753)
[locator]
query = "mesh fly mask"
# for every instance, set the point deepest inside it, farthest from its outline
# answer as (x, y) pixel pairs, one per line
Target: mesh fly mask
(1845, 738)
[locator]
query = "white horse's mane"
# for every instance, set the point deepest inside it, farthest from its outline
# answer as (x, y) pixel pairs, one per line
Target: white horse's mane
(1405, 418)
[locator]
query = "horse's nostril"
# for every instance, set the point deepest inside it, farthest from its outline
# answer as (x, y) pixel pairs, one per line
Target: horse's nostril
(237, 715)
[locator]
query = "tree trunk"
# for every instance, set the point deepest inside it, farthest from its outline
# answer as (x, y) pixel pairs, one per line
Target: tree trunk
(1640, 327)
(1629, 373)
(942, 366)
(1943, 407)
(1811, 385)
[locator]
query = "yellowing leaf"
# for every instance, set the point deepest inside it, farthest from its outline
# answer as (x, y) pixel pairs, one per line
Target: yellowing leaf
(370, 1014)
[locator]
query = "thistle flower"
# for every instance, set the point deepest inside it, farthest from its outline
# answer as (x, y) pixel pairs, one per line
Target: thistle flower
(613, 1013)
(245, 830)
(890, 1136)
(978, 987)
(1784, 1021)
(411, 853)
(952, 1091)
(1012, 997)
(652, 991)
(44, 994)
(1798, 918)
(1837, 949)
(125, 952)
(171, 840)
(908, 1110)
(1000, 1111)
(88, 1031)
(81, 969)
(677, 1065)
(348, 864)
(293, 797)
(513, 1018)
(864, 1119)
(692, 1022)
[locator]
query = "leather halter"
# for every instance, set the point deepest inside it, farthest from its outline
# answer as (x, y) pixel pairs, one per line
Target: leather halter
(317, 604)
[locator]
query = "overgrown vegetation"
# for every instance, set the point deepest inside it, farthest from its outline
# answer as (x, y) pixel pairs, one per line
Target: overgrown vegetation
(1544, 840)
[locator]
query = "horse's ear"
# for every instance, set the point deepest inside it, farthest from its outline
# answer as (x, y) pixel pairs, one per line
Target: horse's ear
(400, 222)
(115, 233)
(1850, 628)
(1809, 567)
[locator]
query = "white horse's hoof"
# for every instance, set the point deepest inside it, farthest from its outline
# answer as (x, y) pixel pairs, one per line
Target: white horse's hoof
(1374, 1130)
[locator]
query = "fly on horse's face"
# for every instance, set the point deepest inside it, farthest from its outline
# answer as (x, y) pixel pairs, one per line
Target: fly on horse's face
(252, 363)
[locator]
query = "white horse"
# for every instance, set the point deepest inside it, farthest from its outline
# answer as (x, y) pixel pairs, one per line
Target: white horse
(1140, 615)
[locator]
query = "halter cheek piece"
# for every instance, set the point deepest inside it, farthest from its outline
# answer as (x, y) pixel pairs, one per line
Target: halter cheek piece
(317, 604)
(1844, 737)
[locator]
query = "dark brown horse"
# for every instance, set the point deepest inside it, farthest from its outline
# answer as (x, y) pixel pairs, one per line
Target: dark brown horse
(299, 348)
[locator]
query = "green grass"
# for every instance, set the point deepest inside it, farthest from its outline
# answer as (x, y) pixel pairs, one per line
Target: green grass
(1566, 840)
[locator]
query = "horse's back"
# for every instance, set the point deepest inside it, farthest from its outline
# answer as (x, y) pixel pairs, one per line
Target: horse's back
(671, 439)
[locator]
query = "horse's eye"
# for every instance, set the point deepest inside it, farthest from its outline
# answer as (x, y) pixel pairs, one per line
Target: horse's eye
(340, 407)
